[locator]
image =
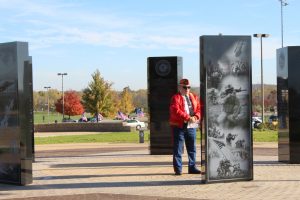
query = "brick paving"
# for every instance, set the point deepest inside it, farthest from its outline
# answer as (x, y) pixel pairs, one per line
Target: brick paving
(127, 171)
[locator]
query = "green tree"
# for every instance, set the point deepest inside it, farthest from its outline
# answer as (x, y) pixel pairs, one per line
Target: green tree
(98, 96)
(126, 101)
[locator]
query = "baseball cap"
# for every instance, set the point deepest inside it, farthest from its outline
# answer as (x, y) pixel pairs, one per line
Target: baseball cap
(184, 81)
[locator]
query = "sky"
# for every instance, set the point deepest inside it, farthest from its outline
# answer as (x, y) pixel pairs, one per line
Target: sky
(116, 36)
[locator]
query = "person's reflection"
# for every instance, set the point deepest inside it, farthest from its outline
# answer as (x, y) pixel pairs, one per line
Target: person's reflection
(284, 110)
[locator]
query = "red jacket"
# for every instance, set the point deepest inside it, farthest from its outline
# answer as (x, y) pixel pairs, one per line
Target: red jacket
(177, 111)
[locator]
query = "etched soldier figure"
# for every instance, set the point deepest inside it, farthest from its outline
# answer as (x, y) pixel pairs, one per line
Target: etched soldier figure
(215, 133)
(213, 96)
(229, 90)
(231, 107)
(240, 144)
(229, 138)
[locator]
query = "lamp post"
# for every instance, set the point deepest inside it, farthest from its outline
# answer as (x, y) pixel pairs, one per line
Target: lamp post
(47, 88)
(261, 68)
(282, 3)
(62, 90)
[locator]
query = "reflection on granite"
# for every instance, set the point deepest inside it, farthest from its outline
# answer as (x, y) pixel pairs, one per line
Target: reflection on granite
(288, 96)
(15, 92)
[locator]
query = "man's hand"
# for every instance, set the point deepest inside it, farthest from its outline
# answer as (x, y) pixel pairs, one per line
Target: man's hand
(193, 119)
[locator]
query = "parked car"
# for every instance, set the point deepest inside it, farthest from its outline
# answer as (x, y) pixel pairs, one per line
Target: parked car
(93, 120)
(82, 119)
(134, 123)
(69, 120)
(256, 121)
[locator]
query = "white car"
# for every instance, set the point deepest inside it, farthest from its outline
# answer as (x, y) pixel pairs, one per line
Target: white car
(134, 123)
(256, 121)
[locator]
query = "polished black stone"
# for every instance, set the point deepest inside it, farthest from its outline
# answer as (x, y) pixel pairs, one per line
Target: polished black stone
(16, 114)
(164, 74)
(288, 96)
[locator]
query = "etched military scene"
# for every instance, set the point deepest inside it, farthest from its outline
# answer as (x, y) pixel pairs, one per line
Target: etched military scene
(228, 105)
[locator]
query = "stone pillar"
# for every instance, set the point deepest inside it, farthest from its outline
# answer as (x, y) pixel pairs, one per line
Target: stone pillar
(288, 97)
(16, 114)
(164, 74)
(226, 87)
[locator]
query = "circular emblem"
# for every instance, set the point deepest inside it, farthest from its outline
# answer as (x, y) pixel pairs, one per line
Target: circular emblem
(163, 67)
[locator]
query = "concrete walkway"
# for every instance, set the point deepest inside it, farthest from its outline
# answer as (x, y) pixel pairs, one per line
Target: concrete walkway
(127, 171)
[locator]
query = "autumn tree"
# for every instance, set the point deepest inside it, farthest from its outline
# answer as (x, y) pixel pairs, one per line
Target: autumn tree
(116, 101)
(40, 99)
(126, 101)
(271, 100)
(139, 99)
(270, 97)
(54, 95)
(72, 104)
(98, 96)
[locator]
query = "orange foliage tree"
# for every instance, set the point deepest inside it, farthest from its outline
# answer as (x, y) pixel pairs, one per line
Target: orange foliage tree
(72, 104)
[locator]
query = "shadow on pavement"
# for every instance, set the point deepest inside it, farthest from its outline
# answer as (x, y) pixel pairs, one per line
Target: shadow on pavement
(103, 196)
(273, 163)
(95, 176)
(102, 185)
(113, 164)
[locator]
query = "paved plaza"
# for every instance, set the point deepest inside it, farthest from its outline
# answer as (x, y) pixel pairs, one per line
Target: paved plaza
(127, 171)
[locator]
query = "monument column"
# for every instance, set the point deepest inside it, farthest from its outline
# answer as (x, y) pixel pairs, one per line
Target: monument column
(16, 114)
(288, 102)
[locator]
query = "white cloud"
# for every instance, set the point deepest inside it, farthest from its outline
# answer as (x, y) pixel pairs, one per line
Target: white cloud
(51, 23)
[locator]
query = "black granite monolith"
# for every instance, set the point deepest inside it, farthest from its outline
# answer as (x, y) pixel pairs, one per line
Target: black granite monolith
(164, 74)
(288, 102)
(16, 114)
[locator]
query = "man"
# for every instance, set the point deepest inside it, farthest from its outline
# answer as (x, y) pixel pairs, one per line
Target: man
(184, 116)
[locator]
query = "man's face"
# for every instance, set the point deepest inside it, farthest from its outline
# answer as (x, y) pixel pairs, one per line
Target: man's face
(184, 89)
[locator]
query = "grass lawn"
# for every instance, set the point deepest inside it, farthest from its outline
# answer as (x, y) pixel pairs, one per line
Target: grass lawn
(133, 137)
(109, 137)
(42, 117)
(265, 136)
